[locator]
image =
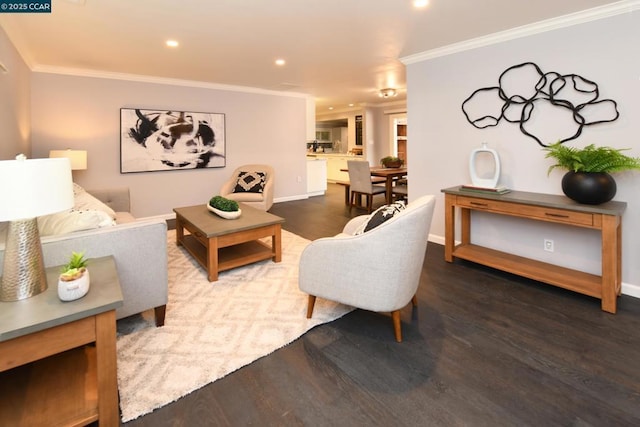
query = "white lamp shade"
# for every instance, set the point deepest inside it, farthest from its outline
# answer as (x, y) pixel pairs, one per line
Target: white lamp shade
(78, 158)
(34, 187)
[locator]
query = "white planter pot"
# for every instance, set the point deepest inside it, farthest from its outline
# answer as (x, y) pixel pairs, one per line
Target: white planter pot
(69, 291)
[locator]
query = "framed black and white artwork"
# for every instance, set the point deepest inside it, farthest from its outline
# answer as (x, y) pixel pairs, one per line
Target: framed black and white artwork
(161, 140)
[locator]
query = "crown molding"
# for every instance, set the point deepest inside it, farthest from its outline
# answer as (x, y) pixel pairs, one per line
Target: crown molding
(596, 13)
(78, 72)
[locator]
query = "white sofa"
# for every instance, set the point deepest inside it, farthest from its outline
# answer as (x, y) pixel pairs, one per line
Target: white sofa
(138, 246)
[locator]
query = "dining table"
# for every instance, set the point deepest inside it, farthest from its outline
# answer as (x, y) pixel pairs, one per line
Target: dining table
(390, 174)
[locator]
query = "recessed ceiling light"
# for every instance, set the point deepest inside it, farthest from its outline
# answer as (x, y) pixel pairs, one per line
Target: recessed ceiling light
(172, 43)
(280, 62)
(420, 3)
(350, 105)
(330, 108)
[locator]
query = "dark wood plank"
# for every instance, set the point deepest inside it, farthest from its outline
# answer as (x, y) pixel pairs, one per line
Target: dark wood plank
(482, 348)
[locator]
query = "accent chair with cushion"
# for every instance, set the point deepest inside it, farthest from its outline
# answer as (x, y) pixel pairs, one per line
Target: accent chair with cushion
(361, 184)
(374, 264)
(252, 185)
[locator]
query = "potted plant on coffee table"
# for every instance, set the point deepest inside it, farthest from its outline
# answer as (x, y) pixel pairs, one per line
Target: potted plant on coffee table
(225, 208)
(74, 280)
(588, 180)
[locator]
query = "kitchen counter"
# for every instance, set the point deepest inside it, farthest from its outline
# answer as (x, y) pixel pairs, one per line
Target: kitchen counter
(327, 155)
(335, 162)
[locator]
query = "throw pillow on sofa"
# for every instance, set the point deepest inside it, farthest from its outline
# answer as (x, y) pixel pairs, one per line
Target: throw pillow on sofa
(380, 216)
(250, 182)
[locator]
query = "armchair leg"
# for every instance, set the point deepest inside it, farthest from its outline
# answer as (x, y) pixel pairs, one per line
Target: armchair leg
(397, 327)
(311, 303)
(159, 313)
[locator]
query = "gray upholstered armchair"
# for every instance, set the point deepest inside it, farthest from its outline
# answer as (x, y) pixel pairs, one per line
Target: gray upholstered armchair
(378, 270)
(246, 192)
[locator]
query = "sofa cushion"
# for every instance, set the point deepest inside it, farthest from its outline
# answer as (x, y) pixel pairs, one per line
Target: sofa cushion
(250, 182)
(381, 215)
(246, 197)
(82, 200)
(73, 220)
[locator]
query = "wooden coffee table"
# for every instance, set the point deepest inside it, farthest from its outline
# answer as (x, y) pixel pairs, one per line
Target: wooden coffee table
(222, 244)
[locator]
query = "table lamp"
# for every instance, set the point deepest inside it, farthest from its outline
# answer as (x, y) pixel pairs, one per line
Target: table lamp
(28, 189)
(78, 158)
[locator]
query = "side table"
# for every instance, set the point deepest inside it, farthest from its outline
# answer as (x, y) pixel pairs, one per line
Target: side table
(58, 359)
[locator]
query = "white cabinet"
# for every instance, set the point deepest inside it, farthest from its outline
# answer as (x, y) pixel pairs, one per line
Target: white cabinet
(335, 163)
(316, 176)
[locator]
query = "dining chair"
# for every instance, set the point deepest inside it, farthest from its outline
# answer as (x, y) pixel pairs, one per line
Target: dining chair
(361, 185)
(400, 189)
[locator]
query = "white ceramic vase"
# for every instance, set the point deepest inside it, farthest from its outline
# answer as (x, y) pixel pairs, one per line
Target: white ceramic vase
(493, 160)
(75, 289)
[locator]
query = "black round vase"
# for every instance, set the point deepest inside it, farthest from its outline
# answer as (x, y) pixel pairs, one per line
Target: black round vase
(591, 188)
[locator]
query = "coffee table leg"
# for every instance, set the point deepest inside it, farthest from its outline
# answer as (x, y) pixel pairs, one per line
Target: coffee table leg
(179, 231)
(276, 243)
(212, 259)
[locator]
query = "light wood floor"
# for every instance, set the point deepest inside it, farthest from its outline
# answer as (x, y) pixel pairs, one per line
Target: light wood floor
(483, 348)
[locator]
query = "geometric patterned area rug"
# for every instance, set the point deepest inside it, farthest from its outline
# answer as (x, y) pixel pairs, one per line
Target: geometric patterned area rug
(213, 329)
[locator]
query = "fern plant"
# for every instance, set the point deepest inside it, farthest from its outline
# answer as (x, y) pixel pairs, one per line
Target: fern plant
(590, 159)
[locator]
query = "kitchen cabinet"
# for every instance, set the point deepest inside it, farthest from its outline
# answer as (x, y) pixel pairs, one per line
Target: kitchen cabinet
(335, 163)
(316, 176)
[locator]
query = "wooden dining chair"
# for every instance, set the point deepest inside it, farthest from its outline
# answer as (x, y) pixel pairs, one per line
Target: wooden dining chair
(400, 189)
(361, 185)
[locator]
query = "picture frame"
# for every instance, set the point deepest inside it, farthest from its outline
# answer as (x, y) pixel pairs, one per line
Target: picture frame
(164, 140)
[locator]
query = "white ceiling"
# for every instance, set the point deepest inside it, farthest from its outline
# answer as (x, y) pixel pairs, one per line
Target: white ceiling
(339, 51)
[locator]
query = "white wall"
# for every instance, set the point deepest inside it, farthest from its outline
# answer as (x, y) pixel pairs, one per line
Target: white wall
(14, 102)
(84, 113)
(440, 139)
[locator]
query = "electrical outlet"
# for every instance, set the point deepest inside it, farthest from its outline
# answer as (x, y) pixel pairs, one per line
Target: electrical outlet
(299, 178)
(548, 245)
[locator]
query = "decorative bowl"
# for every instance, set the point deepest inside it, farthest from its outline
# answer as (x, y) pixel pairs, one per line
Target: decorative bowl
(225, 214)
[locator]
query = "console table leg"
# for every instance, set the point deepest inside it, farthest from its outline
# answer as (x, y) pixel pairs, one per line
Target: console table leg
(449, 226)
(611, 263)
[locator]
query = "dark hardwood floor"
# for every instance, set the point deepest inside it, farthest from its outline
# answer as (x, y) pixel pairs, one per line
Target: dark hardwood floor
(483, 348)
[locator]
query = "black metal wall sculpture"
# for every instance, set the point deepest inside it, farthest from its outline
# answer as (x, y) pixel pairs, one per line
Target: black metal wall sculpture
(571, 92)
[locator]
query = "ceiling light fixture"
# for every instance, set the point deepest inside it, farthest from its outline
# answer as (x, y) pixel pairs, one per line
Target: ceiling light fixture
(387, 93)
(280, 62)
(420, 3)
(172, 43)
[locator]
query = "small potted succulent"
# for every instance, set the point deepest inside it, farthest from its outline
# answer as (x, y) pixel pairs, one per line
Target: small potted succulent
(391, 162)
(74, 279)
(588, 180)
(225, 208)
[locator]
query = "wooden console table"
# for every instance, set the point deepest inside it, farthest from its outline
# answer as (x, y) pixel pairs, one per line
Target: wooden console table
(606, 217)
(48, 373)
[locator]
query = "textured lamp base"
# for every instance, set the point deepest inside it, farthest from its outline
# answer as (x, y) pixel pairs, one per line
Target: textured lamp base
(23, 271)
